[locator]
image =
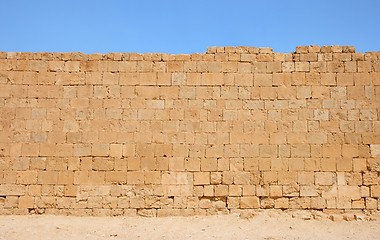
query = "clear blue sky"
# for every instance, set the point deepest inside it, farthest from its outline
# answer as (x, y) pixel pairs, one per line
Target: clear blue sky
(180, 26)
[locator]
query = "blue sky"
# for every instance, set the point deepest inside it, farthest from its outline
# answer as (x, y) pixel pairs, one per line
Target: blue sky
(175, 26)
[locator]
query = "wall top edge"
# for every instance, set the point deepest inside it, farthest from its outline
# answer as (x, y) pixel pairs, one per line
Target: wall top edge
(215, 50)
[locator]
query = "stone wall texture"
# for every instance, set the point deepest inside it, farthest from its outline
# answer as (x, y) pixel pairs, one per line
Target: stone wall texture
(232, 129)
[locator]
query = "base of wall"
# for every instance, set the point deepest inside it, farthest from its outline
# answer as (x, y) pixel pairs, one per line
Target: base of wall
(305, 214)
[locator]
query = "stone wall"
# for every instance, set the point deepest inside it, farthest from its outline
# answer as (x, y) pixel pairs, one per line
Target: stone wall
(231, 129)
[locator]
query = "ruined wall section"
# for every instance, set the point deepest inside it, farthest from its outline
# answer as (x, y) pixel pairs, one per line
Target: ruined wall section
(231, 129)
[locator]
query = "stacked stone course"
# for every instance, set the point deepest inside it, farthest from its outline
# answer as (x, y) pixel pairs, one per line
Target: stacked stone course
(232, 129)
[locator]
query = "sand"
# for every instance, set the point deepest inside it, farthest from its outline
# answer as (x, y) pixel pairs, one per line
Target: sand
(263, 226)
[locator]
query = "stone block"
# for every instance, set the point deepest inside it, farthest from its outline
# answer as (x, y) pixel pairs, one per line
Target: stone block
(216, 177)
(221, 190)
(70, 191)
(25, 202)
(375, 150)
(242, 178)
(192, 164)
(275, 191)
(103, 164)
(97, 178)
(300, 150)
(116, 177)
(65, 177)
(344, 164)
(249, 202)
(212, 79)
(201, 178)
(308, 191)
(251, 164)
(12, 190)
(351, 192)
(27, 177)
(281, 203)
(81, 150)
(235, 190)
(371, 203)
(302, 66)
(331, 150)
(303, 92)
(287, 177)
(325, 178)
(268, 151)
(270, 176)
(318, 203)
(48, 177)
(135, 177)
(263, 80)
(375, 191)
(30, 149)
(176, 164)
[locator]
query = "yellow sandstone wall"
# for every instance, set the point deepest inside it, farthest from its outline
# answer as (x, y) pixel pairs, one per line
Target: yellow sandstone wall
(231, 129)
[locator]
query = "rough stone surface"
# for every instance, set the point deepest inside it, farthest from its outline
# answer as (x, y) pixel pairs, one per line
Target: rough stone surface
(232, 129)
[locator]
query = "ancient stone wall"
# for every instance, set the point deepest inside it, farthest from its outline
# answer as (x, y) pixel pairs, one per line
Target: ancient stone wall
(231, 129)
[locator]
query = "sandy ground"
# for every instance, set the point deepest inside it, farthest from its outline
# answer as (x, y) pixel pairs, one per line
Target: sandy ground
(262, 226)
